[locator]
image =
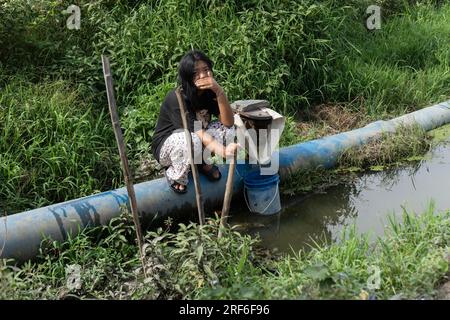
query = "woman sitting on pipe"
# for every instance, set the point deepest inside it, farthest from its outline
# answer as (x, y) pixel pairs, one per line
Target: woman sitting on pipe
(203, 98)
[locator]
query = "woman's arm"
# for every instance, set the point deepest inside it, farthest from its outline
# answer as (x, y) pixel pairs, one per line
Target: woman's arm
(226, 114)
(211, 144)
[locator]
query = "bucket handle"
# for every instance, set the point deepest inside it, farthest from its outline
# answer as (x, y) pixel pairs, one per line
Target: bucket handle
(248, 206)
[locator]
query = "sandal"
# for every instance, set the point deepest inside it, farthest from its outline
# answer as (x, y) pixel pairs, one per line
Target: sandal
(210, 174)
(174, 185)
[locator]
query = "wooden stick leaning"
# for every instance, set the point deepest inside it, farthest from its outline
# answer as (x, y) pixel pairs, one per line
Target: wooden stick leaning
(194, 169)
(228, 196)
(123, 157)
(6, 233)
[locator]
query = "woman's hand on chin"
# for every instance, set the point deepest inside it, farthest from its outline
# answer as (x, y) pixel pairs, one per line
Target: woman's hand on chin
(209, 83)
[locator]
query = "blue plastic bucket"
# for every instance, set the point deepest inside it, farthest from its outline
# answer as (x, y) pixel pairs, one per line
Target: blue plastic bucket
(261, 193)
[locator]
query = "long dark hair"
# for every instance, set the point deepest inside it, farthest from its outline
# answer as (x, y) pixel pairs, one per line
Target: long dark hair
(186, 70)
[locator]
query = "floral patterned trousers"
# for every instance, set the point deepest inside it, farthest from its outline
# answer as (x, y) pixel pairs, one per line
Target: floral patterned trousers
(174, 154)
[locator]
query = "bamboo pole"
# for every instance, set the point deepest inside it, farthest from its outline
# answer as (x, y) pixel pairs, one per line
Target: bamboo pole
(228, 196)
(194, 169)
(123, 157)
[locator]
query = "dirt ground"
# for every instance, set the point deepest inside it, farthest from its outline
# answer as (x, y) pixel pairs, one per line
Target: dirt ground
(444, 291)
(329, 119)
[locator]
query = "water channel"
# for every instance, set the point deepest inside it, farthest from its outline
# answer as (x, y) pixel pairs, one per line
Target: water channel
(366, 202)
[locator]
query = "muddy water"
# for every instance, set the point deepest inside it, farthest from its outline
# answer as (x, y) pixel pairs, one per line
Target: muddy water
(366, 202)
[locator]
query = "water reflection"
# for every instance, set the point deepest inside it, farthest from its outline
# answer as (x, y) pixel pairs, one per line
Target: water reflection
(366, 202)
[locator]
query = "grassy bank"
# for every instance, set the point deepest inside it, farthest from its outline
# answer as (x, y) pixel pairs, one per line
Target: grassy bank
(305, 57)
(389, 150)
(54, 146)
(409, 144)
(410, 262)
(313, 60)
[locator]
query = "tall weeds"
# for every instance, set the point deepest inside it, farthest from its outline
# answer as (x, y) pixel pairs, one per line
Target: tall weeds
(53, 146)
(293, 53)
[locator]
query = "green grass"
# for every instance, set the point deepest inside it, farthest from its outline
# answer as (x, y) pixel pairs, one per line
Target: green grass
(294, 54)
(53, 147)
(441, 134)
(56, 141)
(396, 75)
(408, 142)
(411, 259)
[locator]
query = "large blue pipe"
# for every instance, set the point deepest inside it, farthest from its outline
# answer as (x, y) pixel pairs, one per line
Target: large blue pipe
(22, 233)
(325, 152)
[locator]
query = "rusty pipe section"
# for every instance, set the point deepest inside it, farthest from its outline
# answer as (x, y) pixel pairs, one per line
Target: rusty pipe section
(22, 233)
